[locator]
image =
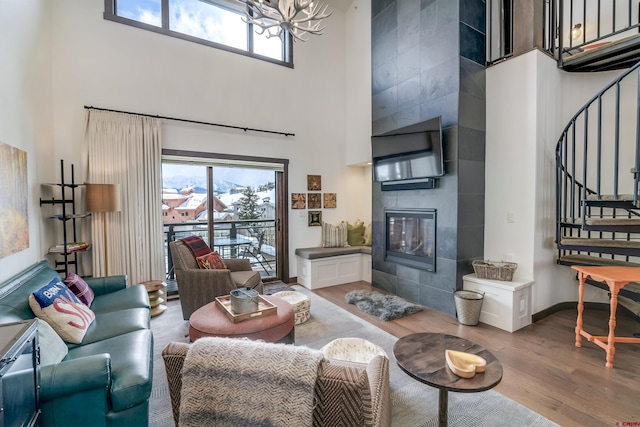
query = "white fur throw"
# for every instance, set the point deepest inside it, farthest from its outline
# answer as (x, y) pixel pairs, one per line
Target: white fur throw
(238, 383)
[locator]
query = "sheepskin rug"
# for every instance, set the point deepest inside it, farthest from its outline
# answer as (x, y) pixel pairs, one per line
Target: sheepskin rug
(385, 307)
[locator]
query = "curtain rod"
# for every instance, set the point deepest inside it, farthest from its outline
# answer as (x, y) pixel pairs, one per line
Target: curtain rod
(192, 121)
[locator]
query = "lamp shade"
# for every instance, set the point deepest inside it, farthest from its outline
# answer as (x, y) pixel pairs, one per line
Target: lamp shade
(103, 197)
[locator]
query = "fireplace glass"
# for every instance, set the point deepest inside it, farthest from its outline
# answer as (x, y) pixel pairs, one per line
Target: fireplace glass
(411, 238)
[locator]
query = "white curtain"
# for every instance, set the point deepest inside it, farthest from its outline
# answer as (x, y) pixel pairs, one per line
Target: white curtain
(125, 149)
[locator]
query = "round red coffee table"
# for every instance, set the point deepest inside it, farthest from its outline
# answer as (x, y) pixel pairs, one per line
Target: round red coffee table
(210, 321)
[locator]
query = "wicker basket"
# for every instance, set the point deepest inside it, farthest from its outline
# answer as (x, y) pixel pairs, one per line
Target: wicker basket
(494, 270)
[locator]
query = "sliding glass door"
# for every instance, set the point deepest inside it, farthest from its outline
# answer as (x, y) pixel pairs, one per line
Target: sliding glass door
(232, 203)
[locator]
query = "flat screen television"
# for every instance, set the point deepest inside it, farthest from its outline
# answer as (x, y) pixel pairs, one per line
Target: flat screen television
(409, 155)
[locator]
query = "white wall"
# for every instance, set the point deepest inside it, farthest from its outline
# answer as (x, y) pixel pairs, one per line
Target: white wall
(25, 108)
(105, 64)
(529, 102)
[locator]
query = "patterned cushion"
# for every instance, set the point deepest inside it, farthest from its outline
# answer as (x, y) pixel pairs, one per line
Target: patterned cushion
(80, 288)
(334, 236)
(60, 308)
(211, 261)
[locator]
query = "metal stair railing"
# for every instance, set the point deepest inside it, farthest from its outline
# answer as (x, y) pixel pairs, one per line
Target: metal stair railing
(592, 155)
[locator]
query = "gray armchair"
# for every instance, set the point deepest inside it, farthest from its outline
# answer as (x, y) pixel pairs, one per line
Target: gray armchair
(198, 287)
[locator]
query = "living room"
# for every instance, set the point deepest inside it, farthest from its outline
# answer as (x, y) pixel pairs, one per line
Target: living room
(58, 56)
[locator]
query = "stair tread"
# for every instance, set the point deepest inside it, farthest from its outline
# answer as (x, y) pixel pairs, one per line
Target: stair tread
(595, 260)
(579, 241)
(609, 197)
(629, 304)
(613, 221)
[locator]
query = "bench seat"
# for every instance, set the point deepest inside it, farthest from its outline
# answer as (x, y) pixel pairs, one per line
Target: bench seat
(321, 267)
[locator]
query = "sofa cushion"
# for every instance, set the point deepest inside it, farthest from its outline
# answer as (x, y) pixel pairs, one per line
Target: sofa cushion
(135, 296)
(52, 348)
(211, 261)
(315, 253)
(131, 366)
(112, 324)
(59, 307)
(334, 236)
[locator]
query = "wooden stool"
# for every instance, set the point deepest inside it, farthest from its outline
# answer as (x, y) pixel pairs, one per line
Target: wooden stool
(155, 289)
(616, 278)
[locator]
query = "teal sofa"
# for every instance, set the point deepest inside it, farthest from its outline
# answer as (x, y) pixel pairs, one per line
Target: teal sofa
(106, 379)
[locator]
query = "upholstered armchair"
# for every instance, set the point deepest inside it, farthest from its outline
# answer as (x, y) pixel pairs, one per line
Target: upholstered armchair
(198, 287)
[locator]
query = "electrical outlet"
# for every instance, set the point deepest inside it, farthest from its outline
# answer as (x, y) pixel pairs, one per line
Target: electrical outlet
(511, 217)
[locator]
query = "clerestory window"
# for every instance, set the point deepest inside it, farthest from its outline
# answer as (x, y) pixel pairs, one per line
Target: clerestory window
(215, 23)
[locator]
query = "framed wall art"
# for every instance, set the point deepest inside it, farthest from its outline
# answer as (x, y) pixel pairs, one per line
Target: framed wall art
(14, 219)
(314, 182)
(298, 201)
(315, 218)
(315, 200)
(330, 200)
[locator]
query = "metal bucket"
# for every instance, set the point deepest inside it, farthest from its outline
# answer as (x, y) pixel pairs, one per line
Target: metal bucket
(468, 306)
(244, 300)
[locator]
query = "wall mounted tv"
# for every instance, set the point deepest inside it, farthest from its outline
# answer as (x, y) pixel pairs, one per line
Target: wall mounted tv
(410, 157)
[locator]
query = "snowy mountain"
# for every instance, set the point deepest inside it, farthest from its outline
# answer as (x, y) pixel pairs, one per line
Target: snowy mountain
(179, 182)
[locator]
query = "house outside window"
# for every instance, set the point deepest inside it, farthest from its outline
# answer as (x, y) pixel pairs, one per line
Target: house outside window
(215, 23)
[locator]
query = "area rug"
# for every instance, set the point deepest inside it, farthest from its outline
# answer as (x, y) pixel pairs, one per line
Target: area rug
(413, 404)
(386, 307)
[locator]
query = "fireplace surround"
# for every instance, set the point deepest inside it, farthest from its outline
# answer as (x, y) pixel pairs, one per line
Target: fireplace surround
(410, 237)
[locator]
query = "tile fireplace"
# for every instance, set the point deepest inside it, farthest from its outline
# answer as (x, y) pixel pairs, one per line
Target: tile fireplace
(411, 237)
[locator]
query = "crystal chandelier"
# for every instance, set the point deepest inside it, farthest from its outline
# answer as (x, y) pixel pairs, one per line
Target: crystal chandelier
(277, 17)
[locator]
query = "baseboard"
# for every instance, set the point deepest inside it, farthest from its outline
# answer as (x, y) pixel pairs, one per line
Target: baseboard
(572, 305)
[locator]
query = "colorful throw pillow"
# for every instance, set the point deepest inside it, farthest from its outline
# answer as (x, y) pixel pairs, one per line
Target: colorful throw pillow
(80, 288)
(52, 348)
(334, 236)
(60, 308)
(355, 234)
(211, 261)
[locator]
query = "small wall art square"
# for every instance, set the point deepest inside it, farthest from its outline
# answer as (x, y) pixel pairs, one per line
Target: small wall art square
(315, 218)
(315, 200)
(330, 200)
(314, 182)
(298, 201)
(14, 221)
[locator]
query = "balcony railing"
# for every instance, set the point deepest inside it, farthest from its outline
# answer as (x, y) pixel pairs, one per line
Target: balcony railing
(251, 239)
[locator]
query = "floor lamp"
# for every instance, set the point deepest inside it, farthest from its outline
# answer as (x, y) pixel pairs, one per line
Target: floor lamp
(103, 198)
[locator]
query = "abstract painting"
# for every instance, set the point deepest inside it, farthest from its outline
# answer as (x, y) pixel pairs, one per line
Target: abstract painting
(14, 221)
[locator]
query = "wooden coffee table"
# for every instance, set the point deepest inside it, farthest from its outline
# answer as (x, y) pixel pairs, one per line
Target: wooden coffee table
(421, 356)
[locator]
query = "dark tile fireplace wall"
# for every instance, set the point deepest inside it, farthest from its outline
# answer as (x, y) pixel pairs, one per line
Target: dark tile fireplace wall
(428, 60)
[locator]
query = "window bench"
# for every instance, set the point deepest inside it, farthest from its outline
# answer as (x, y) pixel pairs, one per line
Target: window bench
(322, 267)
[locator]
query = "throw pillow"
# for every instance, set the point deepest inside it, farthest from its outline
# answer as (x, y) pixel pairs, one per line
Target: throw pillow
(355, 234)
(80, 288)
(60, 308)
(211, 261)
(368, 238)
(334, 236)
(52, 348)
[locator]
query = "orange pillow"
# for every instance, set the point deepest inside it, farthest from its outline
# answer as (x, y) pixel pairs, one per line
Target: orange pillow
(211, 261)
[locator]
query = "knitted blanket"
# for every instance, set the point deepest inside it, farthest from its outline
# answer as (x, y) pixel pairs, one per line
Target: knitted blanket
(196, 245)
(242, 383)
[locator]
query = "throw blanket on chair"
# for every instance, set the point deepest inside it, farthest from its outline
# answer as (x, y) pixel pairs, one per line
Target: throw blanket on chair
(196, 245)
(241, 383)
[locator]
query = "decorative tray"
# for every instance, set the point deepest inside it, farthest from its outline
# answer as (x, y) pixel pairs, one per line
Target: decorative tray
(265, 308)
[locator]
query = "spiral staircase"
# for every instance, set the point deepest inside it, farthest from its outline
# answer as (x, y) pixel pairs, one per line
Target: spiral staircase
(598, 159)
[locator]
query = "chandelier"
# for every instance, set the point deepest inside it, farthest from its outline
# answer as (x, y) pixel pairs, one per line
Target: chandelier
(277, 17)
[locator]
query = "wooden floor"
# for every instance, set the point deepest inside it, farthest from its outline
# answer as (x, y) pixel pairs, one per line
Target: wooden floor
(543, 370)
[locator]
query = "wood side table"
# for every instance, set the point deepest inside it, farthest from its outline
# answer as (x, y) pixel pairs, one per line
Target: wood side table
(156, 289)
(616, 278)
(422, 357)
